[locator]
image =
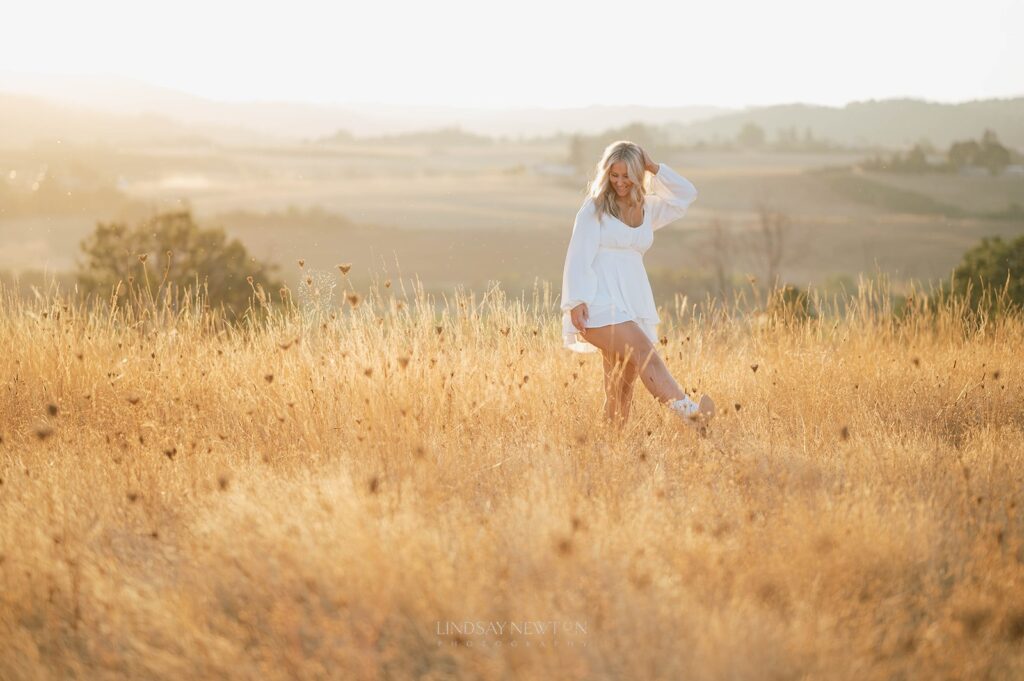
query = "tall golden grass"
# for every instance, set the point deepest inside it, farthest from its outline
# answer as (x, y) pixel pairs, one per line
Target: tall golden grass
(411, 488)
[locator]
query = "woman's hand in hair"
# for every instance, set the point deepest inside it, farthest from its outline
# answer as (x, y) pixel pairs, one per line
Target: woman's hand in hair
(649, 164)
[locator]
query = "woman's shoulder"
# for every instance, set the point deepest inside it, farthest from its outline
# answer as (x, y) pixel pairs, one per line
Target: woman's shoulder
(588, 208)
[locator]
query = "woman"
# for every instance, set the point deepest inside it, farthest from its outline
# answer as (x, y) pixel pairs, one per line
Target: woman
(607, 303)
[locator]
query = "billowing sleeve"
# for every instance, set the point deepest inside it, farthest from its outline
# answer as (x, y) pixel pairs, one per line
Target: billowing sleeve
(671, 194)
(579, 280)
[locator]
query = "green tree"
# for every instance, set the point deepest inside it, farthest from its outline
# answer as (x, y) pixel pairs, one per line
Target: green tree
(577, 151)
(989, 153)
(790, 304)
(963, 153)
(752, 135)
(916, 160)
(993, 155)
(171, 250)
(988, 264)
(926, 145)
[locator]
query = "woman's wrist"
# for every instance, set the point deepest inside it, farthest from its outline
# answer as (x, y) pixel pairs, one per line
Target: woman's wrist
(653, 168)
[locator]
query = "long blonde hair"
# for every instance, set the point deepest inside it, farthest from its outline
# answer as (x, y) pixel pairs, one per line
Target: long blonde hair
(600, 188)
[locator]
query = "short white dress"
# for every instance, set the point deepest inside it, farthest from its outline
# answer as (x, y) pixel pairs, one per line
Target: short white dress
(604, 265)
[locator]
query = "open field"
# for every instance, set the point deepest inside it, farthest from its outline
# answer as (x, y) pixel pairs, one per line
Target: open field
(467, 215)
(337, 497)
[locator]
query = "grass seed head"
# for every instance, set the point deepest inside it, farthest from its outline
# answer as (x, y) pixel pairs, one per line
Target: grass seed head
(1014, 625)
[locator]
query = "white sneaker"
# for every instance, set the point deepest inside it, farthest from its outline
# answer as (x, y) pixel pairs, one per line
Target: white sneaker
(684, 406)
(695, 415)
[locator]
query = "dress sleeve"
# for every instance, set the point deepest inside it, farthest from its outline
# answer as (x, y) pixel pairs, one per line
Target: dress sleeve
(579, 280)
(671, 195)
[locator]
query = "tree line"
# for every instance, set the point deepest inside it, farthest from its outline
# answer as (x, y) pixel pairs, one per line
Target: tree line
(987, 153)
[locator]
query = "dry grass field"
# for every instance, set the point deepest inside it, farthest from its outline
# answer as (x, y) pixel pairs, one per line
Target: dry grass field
(387, 491)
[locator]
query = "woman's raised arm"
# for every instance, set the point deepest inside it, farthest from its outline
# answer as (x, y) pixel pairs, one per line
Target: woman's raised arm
(671, 195)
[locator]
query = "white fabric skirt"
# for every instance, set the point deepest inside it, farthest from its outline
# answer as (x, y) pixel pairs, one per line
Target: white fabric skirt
(621, 297)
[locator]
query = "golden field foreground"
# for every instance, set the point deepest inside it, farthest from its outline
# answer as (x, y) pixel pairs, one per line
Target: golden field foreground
(400, 491)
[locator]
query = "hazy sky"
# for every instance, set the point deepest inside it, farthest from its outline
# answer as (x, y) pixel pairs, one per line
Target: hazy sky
(534, 52)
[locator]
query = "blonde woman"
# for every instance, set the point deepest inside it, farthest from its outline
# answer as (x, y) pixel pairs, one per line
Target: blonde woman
(607, 304)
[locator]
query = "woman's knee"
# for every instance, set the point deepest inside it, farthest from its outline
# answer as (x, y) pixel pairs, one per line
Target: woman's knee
(639, 350)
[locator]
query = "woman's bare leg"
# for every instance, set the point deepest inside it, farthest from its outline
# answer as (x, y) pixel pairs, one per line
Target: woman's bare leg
(629, 341)
(616, 372)
(629, 374)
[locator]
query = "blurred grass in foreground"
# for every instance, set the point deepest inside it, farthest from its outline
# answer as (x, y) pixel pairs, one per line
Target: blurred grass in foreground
(320, 493)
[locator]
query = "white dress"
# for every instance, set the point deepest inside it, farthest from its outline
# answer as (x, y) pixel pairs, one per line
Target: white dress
(604, 265)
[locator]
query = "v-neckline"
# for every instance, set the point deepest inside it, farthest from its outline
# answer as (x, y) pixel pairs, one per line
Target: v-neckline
(629, 226)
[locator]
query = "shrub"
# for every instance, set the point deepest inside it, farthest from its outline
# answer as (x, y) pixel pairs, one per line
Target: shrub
(170, 250)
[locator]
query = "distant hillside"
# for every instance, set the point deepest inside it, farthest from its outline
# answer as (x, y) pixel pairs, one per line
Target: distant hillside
(890, 123)
(124, 109)
(273, 121)
(298, 121)
(444, 137)
(26, 121)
